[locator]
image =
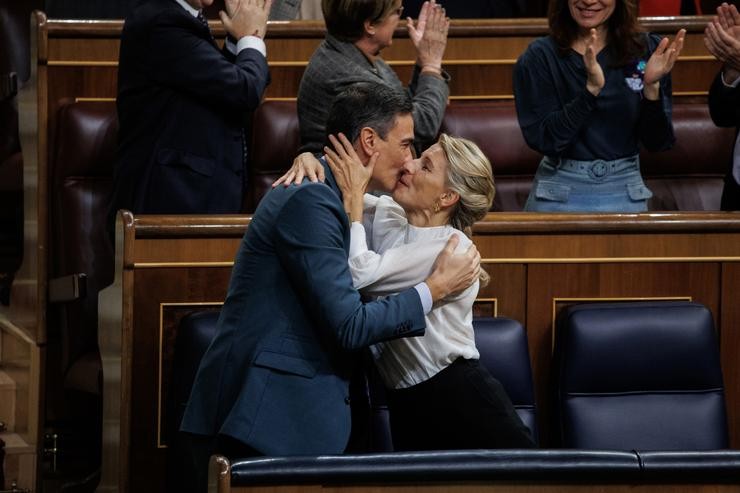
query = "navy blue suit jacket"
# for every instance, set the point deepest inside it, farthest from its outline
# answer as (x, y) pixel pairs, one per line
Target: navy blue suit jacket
(276, 376)
(181, 103)
(724, 107)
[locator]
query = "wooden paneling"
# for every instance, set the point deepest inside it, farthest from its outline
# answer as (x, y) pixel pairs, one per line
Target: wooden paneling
(480, 54)
(167, 266)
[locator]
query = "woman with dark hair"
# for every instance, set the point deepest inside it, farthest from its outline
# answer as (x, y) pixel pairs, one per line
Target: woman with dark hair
(586, 96)
(357, 32)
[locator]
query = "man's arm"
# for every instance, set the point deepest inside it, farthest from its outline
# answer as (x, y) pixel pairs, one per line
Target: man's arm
(722, 39)
(310, 245)
(724, 103)
(180, 58)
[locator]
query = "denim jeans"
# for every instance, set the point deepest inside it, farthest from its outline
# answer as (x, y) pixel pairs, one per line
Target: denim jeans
(569, 185)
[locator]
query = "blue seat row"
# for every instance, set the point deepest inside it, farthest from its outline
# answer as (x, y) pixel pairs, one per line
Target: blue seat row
(630, 376)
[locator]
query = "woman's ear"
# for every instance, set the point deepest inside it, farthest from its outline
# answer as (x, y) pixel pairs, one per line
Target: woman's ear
(449, 198)
(369, 28)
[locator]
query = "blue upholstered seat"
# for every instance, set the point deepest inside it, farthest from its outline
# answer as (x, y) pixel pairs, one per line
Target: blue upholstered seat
(640, 375)
(194, 335)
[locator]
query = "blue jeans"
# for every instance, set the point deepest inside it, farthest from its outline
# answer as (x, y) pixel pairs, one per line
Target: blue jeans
(568, 185)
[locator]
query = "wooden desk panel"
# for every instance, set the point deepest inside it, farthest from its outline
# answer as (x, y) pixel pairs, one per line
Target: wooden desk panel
(169, 266)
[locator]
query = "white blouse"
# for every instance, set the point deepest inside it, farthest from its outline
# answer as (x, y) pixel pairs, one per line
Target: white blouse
(402, 255)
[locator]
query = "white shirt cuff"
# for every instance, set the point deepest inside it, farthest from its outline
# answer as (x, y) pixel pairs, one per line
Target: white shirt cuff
(251, 42)
(734, 83)
(357, 239)
(425, 295)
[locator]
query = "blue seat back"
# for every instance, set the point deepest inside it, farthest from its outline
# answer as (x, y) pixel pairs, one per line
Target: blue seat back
(639, 376)
(194, 335)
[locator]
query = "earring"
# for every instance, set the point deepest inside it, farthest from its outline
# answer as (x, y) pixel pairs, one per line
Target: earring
(436, 206)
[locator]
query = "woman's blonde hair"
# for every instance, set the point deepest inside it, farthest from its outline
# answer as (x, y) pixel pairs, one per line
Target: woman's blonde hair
(469, 174)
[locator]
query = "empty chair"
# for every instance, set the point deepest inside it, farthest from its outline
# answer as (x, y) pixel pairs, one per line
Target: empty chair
(502, 344)
(639, 376)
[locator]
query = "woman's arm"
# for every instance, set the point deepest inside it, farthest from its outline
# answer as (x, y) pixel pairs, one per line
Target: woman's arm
(654, 126)
(395, 269)
(547, 126)
(428, 87)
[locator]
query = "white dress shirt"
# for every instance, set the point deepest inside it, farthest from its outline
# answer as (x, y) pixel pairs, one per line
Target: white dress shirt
(403, 255)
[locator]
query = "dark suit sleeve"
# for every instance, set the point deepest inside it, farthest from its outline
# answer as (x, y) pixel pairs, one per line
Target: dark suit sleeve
(724, 103)
(310, 244)
(182, 59)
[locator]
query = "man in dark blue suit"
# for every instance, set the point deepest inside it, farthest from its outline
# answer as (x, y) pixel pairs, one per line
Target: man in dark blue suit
(181, 104)
(275, 379)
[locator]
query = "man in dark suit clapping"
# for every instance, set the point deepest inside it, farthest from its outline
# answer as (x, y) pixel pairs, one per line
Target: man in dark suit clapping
(181, 104)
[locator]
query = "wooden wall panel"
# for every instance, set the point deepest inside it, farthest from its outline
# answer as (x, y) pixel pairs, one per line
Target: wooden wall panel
(480, 54)
(163, 296)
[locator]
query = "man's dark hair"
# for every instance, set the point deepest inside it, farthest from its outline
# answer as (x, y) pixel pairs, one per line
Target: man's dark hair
(366, 105)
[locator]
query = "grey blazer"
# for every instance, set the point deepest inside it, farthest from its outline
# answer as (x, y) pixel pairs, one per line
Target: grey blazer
(336, 65)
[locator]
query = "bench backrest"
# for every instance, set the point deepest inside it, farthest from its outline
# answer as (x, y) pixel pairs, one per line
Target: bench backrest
(688, 177)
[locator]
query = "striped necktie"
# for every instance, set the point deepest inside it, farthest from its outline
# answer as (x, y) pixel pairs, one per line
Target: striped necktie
(204, 21)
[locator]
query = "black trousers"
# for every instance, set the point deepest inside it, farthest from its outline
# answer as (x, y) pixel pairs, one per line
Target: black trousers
(461, 407)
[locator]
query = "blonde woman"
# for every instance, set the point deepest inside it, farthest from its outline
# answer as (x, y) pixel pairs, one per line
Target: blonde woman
(439, 396)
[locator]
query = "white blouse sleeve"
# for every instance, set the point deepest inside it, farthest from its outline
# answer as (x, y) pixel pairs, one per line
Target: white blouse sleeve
(395, 265)
(395, 269)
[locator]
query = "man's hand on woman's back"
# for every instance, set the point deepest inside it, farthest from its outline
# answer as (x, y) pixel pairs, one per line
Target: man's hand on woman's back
(453, 272)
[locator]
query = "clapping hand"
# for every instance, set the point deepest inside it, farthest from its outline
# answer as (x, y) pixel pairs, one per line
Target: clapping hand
(722, 39)
(661, 63)
(245, 17)
(595, 74)
(429, 36)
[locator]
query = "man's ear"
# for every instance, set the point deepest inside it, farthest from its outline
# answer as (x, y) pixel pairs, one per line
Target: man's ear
(368, 141)
(449, 198)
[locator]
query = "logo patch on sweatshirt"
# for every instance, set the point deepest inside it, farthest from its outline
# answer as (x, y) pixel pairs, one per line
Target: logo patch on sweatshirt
(634, 73)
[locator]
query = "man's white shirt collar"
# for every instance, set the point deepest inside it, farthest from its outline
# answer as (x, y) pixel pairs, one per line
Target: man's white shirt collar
(194, 12)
